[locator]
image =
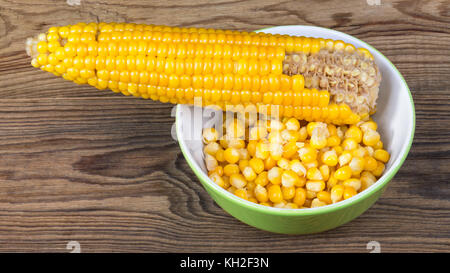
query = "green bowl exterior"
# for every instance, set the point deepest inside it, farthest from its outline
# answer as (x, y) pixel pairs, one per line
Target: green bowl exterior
(293, 224)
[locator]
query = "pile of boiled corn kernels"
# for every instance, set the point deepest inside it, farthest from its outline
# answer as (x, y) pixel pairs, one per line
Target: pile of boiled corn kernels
(294, 164)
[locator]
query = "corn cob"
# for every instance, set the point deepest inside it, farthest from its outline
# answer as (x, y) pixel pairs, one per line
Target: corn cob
(224, 68)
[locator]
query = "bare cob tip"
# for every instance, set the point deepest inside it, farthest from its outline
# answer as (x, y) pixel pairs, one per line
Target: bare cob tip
(31, 47)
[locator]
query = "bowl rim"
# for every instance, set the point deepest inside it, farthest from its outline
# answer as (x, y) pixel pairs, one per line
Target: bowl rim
(379, 184)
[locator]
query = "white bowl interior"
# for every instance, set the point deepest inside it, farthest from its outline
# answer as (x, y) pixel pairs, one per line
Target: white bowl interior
(395, 109)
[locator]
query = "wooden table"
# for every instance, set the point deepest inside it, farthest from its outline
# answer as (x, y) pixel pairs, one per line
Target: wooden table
(79, 164)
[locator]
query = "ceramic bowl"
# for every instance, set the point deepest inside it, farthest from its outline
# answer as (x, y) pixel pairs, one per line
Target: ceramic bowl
(396, 122)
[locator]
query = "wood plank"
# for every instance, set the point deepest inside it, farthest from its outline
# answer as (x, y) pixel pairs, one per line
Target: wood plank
(93, 166)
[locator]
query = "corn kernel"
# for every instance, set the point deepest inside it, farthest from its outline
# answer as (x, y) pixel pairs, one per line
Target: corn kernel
(210, 135)
(241, 193)
(289, 178)
(307, 154)
(300, 196)
(379, 169)
(230, 169)
(349, 192)
(330, 158)
(381, 155)
(343, 173)
(275, 194)
(357, 165)
(315, 186)
(262, 179)
(217, 179)
(249, 174)
(238, 181)
(336, 193)
(261, 193)
(314, 174)
(355, 133)
(231, 155)
(352, 182)
(324, 196)
(345, 158)
(274, 175)
(317, 203)
(288, 192)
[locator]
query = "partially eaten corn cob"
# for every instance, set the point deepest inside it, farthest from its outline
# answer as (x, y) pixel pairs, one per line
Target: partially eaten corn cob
(223, 68)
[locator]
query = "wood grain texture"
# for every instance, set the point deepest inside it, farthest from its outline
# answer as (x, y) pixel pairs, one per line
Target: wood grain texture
(102, 169)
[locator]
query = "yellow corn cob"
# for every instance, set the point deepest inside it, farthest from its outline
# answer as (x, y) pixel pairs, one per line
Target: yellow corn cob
(224, 68)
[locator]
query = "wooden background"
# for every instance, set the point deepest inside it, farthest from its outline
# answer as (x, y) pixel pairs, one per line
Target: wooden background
(78, 164)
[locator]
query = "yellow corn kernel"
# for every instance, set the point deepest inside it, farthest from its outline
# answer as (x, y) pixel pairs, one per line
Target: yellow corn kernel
(310, 127)
(261, 193)
(236, 143)
(330, 158)
(269, 163)
(251, 147)
(368, 125)
(290, 135)
(212, 148)
(249, 174)
(349, 144)
(242, 164)
(357, 165)
(333, 141)
(314, 174)
(258, 132)
(289, 178)
(359, 152)
(352, 182)
(275, 194)
(296, 166)
(241, 193)
(379, 145)
(231, 155)
(349, 192)
(343, 173)
(238, 181)
(355, 133)
(379, 169)
(220, 155)
(291, 206)
(256, 164)
(307, 154)
(292, 124)
(300, 196)
(345, 158)
(325, 171)
(324, 196)
(336, 193)
(290, 149)
(315, 186)
(381, 155)
(283, 163)
(288, 192)
(367, 180)
(317, 203)
(276, 126)
(262, 179)
(231, 169)
(274, 175)
(210, 162)
(371, 137)
(217, 179)
(210, 135)
(262, 150)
